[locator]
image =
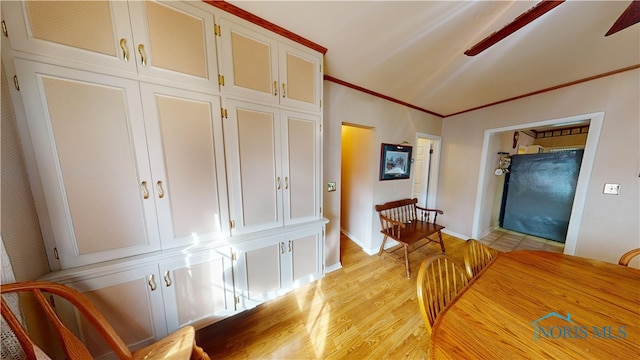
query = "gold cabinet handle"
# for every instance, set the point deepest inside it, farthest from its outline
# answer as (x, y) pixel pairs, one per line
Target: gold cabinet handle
(286, 182)
(278, 182)
(143, 57)
(160, 189)
(125, 52)
(152, 282)
(145, 191)
(284, 90)
(275, 88)
(281, 248)
(167, 278)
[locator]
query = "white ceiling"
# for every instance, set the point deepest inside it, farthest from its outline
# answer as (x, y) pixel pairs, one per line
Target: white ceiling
(413, 51)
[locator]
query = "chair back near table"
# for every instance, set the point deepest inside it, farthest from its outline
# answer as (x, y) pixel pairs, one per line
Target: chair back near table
(180, 342)
(476, 256)
(625, 259)
(439, 281)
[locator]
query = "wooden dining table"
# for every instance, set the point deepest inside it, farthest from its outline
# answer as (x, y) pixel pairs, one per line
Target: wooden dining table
(542, 305)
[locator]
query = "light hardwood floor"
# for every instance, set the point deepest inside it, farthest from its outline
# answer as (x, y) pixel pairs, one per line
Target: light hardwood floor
(367, 309)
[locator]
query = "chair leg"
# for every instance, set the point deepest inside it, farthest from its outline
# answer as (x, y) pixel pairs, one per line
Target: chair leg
(441, 242)
(382, 246)
(406, 261)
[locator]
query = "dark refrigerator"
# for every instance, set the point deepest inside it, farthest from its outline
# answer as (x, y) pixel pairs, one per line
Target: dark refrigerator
(538, 193)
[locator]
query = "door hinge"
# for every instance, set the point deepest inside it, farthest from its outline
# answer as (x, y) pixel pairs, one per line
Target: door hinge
(4, 29)
(216, 30)
(320, 127)
(221, 80)
(320, 68)
(234, 256)
(236, 299)
(16, 84)
(232, 224)
(55, 253)
(320, 103)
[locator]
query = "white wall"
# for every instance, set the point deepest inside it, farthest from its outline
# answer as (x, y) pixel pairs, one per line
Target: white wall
(393, 124)
(610, 224)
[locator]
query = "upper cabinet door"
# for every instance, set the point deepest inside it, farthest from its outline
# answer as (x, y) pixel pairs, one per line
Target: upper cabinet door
(256, 66)
(249, 62)
(186, 150)
(167, 42)
(174, 41)
(92, 32)
(300, 78)
(88, 136)
(301, 166)
(253, 152)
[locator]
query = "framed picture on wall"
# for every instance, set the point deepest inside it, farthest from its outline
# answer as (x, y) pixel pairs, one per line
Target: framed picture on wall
(395, 162)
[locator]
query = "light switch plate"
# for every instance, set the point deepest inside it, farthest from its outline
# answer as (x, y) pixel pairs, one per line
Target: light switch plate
(612, 189)
(331, 186)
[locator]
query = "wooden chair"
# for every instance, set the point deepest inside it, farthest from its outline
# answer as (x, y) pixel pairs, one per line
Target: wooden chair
(625, 259)
(179, 345)
(476, 256)
(439, 281)
(407, 223)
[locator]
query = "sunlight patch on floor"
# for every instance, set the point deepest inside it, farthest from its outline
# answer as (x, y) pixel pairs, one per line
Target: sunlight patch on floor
(319, 315)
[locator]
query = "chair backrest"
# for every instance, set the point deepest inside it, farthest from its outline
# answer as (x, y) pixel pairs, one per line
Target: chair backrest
(476, 256)
(400, 210)
(440, 279)
(72, 346)
(625, 259)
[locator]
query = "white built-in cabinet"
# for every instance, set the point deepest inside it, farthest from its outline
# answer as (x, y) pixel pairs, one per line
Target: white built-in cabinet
(273, 159)
(268, 266)
(176, 158)
(127, 168)
(257, 66)
(131, 301)
(119, 36)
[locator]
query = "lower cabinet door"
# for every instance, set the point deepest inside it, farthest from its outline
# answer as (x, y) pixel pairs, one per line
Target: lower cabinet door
(269, 267)
(198, 288)
(130, 300)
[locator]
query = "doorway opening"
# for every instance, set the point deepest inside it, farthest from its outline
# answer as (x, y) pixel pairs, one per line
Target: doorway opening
(487, 199)
(425, 174)
(357, 169)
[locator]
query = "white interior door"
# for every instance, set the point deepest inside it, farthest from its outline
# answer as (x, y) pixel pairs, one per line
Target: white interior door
(426, 165)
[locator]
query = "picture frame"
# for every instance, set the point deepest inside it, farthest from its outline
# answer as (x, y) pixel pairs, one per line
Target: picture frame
(395, 162)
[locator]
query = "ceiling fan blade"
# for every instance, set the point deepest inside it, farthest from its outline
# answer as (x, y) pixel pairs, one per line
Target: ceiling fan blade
(629, 17)
(535, 12)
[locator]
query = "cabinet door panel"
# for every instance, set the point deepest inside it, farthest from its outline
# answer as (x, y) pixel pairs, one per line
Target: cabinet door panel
(300, 76)
(185, 139)
(197, 289)
(126, 300)
(259, 270)
(252, 138)
(250, 65)
(174, 41)
(89, 141)
(92, 32)
(305, 257)
(301, 151)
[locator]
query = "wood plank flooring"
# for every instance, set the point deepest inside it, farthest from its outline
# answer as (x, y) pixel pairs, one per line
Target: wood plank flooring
(367, 309)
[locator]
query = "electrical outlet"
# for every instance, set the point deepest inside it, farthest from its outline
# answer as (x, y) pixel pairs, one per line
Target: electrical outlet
(331, 186)
(612, 189)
